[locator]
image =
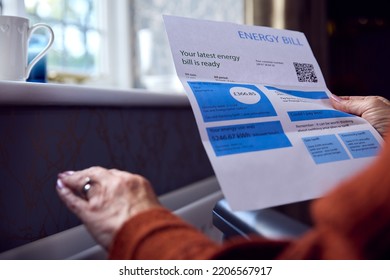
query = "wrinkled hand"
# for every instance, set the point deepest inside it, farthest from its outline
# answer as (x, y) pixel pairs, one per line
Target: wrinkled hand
(114, 197)
(374, 109)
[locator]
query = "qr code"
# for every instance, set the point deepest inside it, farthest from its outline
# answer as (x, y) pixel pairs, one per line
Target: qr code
(305, 72)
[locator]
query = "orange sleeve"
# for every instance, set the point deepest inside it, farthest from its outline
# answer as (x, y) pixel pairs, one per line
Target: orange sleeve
(159, 234)
(353, 220)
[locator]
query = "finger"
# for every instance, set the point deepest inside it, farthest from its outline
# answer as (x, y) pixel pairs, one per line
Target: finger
(350, 104)
(370, 98)
(76, 204)
(352, 97)
(77, 180)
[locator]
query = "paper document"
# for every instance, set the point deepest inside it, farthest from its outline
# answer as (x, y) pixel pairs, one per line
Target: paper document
(263, 112)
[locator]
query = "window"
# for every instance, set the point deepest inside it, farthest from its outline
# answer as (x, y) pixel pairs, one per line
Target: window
(156, 69)
(77, 45)
(120, 42)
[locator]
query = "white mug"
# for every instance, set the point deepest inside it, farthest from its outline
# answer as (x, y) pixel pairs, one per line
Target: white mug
(15, 33)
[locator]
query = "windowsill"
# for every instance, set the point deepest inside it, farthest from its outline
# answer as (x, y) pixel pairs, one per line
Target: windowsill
(24, 93)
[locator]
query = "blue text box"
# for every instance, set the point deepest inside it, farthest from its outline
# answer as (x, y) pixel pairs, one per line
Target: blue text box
(306, 115)
(243, 138)
(361, 143)
(217, 104)
(325, 148)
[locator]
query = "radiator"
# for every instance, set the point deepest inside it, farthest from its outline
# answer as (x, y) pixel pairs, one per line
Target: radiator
(194, 203)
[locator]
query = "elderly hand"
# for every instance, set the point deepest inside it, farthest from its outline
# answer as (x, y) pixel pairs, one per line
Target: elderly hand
(105, 199)
(374, 109)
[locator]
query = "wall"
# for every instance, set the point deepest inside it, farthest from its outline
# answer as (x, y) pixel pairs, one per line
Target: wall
(37, 142)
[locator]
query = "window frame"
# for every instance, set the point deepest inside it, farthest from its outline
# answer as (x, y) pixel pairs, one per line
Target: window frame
(118, 61)
(119, 44)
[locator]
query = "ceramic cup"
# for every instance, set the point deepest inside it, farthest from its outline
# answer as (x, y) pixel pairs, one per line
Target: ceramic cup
(15, 33)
